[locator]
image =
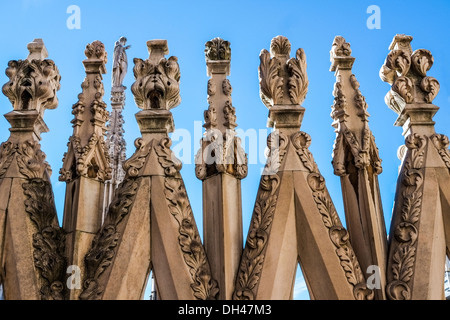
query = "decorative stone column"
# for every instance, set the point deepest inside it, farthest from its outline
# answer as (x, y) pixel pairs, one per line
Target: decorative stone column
(115, 133)
(294, 220)
(419, 238)
(86, 164)
(356, 161)
(221, 163)
(150, 224)
(32, 262)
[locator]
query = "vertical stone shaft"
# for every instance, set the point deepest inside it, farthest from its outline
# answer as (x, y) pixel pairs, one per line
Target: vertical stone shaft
(419, 234)
(32, 263)
(115, 133)
(221, 164)
(294, 220)
(86, 164)
(356, 161)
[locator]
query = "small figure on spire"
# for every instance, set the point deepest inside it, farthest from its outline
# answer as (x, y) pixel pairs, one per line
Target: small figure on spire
(120, 62)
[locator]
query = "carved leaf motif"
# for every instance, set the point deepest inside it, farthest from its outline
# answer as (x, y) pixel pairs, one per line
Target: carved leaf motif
(399, 60)
(217, 49)
(7, 150)
(301, 141)
(252, 262)
(102, 251)
(406, 231)
(48, 241)
(340, 47)
(203, 285)
(167, 159)
(32, 84)
(403, 86)
(338, 236)
(430, 85)
(31, 160)
(271, 84)
(422, 60)
(156, 85)
(280, 45)
(441, 142)
(298, 79)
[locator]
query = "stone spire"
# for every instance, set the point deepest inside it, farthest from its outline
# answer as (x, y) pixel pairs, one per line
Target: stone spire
(293, 209)
(31, 243)
(86, 164)
(356, 161)
(221, 163)
(420, 223)
(150, 224)
(115, 133)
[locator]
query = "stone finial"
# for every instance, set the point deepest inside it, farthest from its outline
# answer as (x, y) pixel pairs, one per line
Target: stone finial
(220, 119)
(283, 81)
(33, 82)
(157, 79)
(217, 49)
(406, 71)
(96, 54)
(340, 54)
(37, 50)
(87, 155)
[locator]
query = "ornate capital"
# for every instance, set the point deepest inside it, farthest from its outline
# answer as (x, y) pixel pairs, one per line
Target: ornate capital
(283, 80)
(33, 82)
(406, 71)
(157, 79)
(217, 49)
(220, 150)
(340, 54)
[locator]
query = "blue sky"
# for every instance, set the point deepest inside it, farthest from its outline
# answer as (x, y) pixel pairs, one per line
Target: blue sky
(249, 25)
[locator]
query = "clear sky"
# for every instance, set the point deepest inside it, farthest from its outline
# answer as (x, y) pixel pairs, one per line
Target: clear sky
(249, 25)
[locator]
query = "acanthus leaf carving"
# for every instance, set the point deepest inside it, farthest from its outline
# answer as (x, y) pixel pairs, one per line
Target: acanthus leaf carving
(404, 87)
(48, 240)
(157, 84)
(31, 160)
(253, 257)
(406, 230)
(431, 86)
(204, 287)
(339, 237)
(167, 159)
(298, 79)
(7, 151)
(399, 60)
(133, 165)
(271, 84)
(441, 143)
(218, 49)
(422, 61)
(32, 84)
(102, 252)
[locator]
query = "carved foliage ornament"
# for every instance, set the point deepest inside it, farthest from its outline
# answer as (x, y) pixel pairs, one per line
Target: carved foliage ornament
(157, 84)
(91, 161)
(337, 233)
(407, 72)
(103, 248)
(217, 49)
(48, 240)
(273, 64)
(29, 158)
(203, 286)
(404, 246)
(32, 84)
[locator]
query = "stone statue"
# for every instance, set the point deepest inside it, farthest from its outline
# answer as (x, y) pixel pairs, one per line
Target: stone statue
(120, 62)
